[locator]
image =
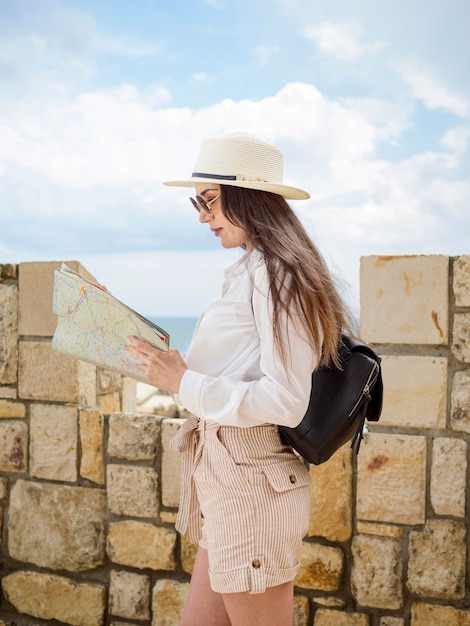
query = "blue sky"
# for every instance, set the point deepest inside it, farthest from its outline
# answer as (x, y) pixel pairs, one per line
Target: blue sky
(101, 101)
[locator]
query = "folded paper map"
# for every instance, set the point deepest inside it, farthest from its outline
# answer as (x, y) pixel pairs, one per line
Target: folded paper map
(94, 326)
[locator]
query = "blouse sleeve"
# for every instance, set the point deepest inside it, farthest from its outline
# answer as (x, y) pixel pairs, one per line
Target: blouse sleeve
(280, 396)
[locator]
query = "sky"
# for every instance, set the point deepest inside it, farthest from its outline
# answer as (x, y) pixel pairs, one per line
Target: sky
(103, 100)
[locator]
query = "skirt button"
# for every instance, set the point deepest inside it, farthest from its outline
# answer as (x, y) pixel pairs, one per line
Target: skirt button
(256, 563)
(293, 478)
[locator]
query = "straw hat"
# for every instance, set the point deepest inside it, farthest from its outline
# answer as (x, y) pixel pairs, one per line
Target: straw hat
(241, 160)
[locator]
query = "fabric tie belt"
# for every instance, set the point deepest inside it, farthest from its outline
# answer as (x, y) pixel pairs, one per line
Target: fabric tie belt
(189, 441)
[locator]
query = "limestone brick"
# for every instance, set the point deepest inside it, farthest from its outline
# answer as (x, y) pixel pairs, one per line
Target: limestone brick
(91, 424)
(53, 444)
(9, 392)
(460, 401)
(437, 560)
(133, 436)
(10, 409)
(8, 334)
(461, 337)
(57, 526)
(171, 464)
(321, 567)
(52, 597)
(449, 476)
(391, 479)
(129, 595)
(329, 617)
(109, 402)
(404, 299)
(132, 490)
(142, 545)
(107, 381)
(300, 611)
(415, 391)
(13, 446)
(168, 600)
(128, 395)
(462, 280)
(3, 488)
(381, 530)
(331, 496)
(36, 282)
(47, 375)
(377, 573)
(188, 553)
(423, 614)
(329, 601)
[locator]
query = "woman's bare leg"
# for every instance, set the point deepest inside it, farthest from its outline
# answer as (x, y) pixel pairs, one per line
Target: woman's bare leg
(204, 607)
(274, 607)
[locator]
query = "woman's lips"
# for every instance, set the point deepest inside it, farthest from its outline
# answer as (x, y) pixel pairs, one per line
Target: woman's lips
(216, 231)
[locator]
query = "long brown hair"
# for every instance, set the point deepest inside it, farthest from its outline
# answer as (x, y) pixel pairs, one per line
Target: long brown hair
(299, 279)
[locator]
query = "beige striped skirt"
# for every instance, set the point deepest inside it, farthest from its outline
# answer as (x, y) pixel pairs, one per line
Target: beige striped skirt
(254, 496)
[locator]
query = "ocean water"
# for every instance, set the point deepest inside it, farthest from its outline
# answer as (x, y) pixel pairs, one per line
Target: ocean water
(180, 329)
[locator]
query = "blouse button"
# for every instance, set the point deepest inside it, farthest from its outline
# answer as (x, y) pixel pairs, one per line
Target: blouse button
(293, 478)
(256, 563)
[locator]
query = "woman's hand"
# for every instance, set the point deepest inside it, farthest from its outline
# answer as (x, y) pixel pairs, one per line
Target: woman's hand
(163, 370)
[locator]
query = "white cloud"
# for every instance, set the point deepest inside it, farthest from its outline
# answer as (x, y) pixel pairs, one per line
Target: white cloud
(431, 90)
(202, 78)
(457, 139)
(342, 40)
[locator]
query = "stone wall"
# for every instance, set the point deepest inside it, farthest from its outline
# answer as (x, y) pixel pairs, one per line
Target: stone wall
(89, 490)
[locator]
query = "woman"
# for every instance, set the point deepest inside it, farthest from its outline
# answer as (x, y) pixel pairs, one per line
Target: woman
(248, 370)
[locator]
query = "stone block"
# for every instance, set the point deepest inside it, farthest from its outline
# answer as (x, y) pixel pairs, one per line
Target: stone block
(449, 476)
(3, 488)
(377, 573)
(415, 391)
(53, 442)
(132, 491)
(380, 530)
(129, 395)
(36, 286)
(9, 392)
(301, 611)
(52, 597)
(91, 423)
(109, 402)
(462, 280)
(171, 464)
(188, 553)
(404, 299)
(321, 567)
(134, 436)
(460, 401)
(129, 595)
(328, 617)
(423, 614)
(8, 334)
(437, 560)
(56, 526)
(168, 600)
(13, 446)
(331, 496)
(461, 337)
(11, 409)
(47, 375)
(142, 545)
(391, 483)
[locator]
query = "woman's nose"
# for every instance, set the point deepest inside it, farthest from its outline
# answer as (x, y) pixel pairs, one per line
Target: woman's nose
(204, 217)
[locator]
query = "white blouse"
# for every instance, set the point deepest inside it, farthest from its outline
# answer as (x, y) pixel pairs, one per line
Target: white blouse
(236, 376)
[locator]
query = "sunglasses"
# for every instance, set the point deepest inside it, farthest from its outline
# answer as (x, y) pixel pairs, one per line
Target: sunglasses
(202, 205)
